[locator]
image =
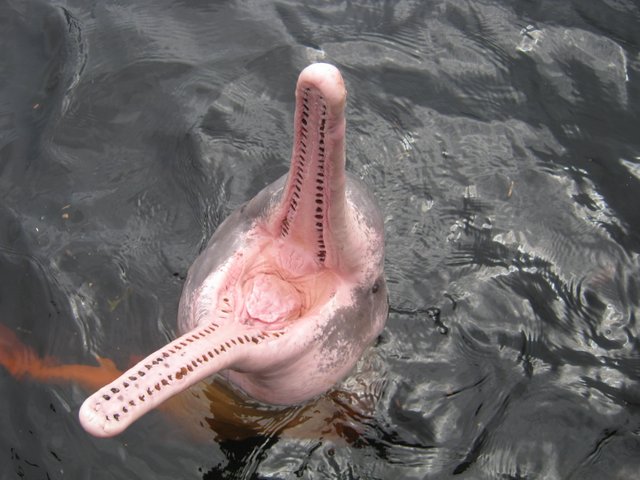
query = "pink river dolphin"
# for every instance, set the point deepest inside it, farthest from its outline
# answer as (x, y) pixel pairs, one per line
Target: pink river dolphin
(290, 289)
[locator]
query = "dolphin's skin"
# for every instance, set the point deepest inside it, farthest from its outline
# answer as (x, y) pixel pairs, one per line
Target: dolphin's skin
(290, 289)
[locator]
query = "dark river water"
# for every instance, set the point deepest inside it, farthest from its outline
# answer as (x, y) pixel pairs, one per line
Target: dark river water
(501, 138)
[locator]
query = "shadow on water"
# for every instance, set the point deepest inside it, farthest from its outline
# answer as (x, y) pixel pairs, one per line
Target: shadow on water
(500, 140)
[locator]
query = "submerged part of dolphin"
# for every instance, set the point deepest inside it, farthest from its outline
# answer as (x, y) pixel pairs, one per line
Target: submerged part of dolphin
(290, 289)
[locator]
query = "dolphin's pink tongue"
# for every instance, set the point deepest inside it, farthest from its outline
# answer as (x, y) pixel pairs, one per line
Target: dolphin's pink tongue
(268, 298)
(172, 369)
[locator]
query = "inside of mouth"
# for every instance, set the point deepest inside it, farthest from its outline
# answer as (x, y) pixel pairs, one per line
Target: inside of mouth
(307, 192)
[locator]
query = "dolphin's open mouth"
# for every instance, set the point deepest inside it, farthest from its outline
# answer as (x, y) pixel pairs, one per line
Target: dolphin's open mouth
(267, 309)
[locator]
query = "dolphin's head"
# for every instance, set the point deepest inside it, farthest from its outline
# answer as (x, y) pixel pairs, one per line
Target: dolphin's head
(289, 291)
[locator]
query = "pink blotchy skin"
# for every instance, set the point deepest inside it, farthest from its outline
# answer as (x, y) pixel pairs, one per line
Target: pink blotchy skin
(290, 289)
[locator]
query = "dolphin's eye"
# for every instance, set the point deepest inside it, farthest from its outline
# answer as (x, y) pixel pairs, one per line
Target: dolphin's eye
(375, 288)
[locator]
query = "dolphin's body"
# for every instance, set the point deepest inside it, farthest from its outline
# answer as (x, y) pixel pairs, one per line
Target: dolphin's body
(290, 289)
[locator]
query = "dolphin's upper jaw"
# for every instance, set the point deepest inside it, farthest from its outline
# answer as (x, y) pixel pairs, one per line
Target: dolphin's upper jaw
(311, 214)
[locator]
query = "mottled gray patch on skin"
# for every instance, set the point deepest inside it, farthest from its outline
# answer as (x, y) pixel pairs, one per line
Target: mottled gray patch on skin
(340, 335)
(349, 331)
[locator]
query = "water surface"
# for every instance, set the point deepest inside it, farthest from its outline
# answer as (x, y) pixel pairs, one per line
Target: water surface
(501, 139)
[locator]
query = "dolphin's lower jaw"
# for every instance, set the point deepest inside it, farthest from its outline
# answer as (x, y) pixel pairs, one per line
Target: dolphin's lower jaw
(182, 363)
(275, 366)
